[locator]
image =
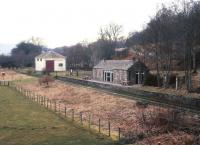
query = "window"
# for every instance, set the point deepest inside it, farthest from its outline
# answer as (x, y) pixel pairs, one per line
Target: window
(40, 59)
(60, 64)
(108, 76)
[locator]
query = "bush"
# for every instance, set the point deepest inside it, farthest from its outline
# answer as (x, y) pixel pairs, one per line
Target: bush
(150, 80)
(45, 72)
(172, 80)
(46, 80)
(29, 72)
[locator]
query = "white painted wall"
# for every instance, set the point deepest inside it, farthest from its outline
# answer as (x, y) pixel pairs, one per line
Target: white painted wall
(41, 64)
(59, 68)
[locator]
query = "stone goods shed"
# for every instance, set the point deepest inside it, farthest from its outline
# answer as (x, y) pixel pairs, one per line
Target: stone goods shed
(120, 71)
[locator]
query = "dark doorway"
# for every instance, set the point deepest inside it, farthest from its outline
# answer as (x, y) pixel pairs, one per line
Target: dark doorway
(137, 76)
(50, 65)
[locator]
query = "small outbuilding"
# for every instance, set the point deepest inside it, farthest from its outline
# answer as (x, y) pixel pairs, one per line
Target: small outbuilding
(125, 72)
(50, 61)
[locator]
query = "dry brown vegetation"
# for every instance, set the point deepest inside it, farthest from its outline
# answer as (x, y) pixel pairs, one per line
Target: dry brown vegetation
(182, 92)
(45, 80)
(144, 124)
(12, 76)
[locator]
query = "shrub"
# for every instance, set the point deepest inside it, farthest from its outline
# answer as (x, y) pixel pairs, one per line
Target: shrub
(45, 72)
(141, 104)
(150, 80)
(172, 79)
(29, 72)
(46, 80)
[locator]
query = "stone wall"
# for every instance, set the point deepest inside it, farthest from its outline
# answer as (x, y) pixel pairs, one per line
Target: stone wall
(119, 76)
(180, 101)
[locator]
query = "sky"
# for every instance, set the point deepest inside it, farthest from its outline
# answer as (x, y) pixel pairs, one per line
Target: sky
(67, 22)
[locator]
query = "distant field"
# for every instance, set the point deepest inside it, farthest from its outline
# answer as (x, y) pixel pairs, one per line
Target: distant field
(26, 123)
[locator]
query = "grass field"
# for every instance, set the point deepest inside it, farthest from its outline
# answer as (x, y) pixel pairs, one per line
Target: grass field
(26, 123)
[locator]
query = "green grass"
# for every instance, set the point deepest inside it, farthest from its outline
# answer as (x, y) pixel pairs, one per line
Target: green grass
(26, 123)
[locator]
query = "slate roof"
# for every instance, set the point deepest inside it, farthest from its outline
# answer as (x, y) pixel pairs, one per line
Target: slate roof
(50, 54)
(115, 64)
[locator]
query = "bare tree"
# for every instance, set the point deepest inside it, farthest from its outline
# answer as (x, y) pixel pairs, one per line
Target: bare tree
(111, 32)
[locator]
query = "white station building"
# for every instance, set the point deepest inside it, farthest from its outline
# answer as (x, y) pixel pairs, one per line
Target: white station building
(50, 61)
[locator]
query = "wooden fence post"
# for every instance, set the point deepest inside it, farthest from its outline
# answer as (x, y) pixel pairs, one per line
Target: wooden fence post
(65, 110)
(47, 103)
(44, 101)
(119, 133)
(40, 99)
(72, 114)
(50, 105)
(55, 106)
(59, 108)
(89, 121)
(30, 95)
(35, 97)
(81, 117)
(26, 92)
(108, 128)
(99, 125)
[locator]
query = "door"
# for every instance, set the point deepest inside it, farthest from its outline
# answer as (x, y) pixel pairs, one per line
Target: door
(137, 78)
(50, 65)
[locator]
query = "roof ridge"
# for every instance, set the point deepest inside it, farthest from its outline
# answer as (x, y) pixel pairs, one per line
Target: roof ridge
(51, 54)
(115, 64)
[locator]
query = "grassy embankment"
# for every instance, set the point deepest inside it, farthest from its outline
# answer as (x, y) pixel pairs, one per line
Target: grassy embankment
(24, 123)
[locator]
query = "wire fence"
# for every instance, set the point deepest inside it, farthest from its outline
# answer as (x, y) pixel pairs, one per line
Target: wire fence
(84, 119)
(87, 119)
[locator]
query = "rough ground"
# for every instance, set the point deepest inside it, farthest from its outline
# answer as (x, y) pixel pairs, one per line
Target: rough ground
(12, 76)
(121, 112)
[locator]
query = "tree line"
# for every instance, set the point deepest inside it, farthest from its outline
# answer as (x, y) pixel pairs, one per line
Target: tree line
(173, 33)
(79, 56)
(86, 55)
(21, 56)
